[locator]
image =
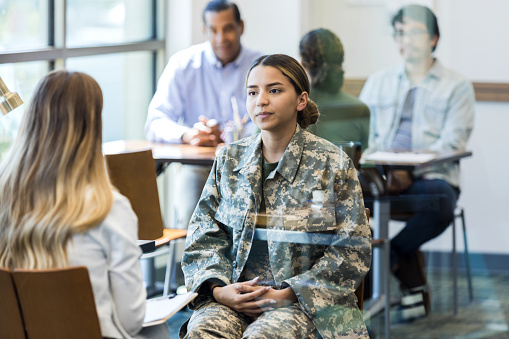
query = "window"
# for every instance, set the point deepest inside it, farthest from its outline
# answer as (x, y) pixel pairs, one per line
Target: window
(23, 24)
(118, 42)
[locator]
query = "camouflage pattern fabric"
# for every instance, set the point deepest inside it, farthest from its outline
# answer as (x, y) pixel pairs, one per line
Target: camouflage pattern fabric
(214, 320)
(323, 273)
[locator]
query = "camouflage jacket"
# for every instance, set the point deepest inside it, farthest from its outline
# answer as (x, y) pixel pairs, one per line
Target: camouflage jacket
(323, 276)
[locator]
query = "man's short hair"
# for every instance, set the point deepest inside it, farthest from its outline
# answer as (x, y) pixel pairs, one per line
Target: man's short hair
(421, 14)
(221, 5)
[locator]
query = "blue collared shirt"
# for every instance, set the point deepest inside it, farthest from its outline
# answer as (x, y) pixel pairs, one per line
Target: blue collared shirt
(195, 83)
(442, 117)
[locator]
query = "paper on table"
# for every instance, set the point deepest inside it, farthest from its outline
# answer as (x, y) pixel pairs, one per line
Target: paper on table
(404, 157)
(161, 309)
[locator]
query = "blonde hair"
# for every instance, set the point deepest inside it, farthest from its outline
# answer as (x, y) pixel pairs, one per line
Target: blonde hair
(294, 71)
(53, 182)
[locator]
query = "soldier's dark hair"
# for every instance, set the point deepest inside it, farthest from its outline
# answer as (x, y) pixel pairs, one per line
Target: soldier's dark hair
(322, 56)
(421, 14)
(221, 5)
(294, 71)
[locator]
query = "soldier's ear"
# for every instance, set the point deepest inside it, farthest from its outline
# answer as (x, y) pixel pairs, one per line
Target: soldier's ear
(302, 101)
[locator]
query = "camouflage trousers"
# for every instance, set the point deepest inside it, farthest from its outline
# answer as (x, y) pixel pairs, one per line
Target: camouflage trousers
(214, 320)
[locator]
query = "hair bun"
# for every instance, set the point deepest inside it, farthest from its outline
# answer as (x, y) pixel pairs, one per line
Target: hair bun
(309, 115)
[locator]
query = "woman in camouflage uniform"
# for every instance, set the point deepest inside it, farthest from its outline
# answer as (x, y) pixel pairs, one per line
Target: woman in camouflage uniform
(278, 289)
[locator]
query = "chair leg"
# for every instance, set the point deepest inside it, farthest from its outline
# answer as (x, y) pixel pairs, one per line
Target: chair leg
(467, 257)
(454, 270)
(169, 268)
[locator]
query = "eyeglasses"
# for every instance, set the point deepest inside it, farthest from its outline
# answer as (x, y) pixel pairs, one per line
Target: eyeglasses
(412, 34)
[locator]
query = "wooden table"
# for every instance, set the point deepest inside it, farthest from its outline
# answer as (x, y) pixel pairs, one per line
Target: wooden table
(165, 153)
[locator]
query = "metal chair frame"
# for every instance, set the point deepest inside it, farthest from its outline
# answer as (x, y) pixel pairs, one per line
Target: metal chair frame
(460, 213)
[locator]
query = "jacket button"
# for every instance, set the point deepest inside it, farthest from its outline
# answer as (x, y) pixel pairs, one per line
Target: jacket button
(234, 264)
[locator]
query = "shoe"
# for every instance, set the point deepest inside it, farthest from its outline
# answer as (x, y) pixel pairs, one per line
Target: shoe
(415, 302)
(414, 287)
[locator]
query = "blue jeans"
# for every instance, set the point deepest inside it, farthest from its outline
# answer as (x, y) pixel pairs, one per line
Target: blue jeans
(424, 226)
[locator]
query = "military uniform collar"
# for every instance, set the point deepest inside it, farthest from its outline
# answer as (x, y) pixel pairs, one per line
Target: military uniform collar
(288, 164)
(290, 161)
(253, 153)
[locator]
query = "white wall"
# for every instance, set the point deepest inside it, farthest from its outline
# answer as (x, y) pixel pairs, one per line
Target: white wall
(473, 42)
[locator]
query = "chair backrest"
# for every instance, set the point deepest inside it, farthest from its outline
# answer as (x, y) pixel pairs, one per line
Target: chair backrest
(57, 303)
(11, 322)
(134, 175)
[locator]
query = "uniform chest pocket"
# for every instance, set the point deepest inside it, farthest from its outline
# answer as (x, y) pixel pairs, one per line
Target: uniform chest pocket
(231, 216)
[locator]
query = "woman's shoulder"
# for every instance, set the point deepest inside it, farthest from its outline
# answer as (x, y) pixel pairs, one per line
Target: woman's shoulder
(119, 224)
(351, 99)
(121, 216)
(120, 201)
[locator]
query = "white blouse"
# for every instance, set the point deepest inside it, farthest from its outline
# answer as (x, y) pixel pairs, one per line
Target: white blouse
(111, 254)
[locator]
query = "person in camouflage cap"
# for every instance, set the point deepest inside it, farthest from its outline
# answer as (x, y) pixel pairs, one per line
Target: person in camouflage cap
(276, 288)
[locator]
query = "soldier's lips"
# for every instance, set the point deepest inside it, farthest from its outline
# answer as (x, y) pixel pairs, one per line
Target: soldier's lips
(262, 115)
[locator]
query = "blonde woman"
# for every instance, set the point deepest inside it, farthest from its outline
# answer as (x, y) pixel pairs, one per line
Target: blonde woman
(58, 208)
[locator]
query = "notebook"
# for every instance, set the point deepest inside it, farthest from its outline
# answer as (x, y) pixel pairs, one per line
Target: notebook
(403, 157)
(159, 310)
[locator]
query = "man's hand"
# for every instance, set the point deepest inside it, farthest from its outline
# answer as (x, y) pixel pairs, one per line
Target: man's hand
(248, 302)
(204, 133)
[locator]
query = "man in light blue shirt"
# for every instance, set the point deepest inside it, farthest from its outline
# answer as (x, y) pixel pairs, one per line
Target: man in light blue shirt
(419, 106)
(204, 82)
(200, 91)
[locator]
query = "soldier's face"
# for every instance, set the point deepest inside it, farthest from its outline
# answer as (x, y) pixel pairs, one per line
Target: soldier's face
(272, 102)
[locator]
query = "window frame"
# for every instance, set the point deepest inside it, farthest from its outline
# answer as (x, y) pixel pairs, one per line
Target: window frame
(57, 52)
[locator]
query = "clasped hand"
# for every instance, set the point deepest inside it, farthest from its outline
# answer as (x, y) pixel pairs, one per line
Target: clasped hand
(252, 300)
(204, 133)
